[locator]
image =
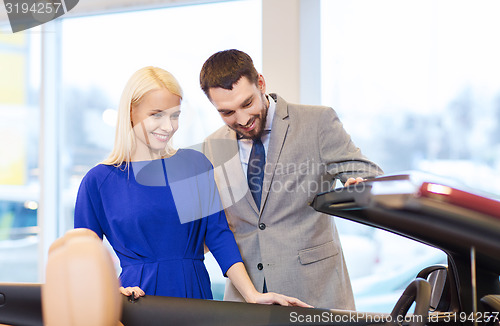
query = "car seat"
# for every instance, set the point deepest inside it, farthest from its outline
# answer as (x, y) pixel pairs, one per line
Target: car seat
(81, 286)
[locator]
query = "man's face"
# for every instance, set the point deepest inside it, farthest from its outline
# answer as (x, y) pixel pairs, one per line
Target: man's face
(244, 108)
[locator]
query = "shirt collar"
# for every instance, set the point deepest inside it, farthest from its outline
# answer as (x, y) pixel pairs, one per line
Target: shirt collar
(270, 113)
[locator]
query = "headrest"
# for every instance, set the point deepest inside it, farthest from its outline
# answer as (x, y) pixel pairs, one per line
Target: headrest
(81, 286)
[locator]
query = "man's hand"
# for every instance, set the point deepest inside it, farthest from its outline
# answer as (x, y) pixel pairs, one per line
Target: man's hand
(352, 181)
(275, 298)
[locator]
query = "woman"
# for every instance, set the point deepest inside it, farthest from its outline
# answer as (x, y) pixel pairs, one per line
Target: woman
(158, 206)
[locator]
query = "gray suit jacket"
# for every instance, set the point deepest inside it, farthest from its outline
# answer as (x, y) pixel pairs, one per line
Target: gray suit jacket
(286, 242)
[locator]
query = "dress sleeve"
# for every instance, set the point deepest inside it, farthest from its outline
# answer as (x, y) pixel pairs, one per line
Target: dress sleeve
(88, 206)
(219, 238)
(338, 152)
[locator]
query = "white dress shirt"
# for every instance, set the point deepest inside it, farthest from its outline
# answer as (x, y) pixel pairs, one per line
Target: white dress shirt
(245, 145)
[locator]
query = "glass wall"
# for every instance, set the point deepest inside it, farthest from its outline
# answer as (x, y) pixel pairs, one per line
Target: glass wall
(19, 130)
(417, 85)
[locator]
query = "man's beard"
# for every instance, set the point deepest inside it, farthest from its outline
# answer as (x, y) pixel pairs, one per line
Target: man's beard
(260, 128)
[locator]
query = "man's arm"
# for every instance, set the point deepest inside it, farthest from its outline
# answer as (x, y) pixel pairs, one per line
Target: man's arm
(342, 158)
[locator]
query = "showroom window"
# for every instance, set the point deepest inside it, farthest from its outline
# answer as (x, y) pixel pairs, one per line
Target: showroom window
(19, 130)
(417, 85)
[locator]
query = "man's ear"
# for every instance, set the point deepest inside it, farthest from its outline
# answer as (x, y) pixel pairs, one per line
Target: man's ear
(261, 84)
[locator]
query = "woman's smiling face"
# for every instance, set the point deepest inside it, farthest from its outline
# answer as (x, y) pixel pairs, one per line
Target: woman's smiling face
(154, 120)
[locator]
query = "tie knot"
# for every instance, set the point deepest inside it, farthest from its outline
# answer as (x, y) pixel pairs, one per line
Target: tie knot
(258, 151)
(257, 141)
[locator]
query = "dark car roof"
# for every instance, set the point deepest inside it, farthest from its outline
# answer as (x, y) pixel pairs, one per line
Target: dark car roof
(445, 217)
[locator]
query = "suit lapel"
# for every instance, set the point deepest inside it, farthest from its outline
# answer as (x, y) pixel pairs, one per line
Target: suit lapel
(279, 130)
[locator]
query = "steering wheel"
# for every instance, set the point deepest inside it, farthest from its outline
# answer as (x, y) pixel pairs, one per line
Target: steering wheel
(419, 291)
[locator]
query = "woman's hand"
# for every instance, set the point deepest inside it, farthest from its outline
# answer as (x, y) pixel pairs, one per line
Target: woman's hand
(138, 292)
(275, 298)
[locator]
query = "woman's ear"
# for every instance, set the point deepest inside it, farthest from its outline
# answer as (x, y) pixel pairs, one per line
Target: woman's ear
(131, 116)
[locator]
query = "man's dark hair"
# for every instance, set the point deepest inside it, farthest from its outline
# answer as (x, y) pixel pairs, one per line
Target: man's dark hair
(223, 69)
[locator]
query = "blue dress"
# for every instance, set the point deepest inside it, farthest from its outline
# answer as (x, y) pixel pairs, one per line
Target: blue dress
(157, 215)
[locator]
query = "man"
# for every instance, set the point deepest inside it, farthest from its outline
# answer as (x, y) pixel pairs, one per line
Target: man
(286, 245)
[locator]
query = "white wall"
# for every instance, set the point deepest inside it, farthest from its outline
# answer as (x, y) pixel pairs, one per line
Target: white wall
(291, 49)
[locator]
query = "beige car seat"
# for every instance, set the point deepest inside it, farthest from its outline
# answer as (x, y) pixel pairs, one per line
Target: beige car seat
(81, 286)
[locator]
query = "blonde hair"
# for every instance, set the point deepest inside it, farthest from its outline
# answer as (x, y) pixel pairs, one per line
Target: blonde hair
(140, 83)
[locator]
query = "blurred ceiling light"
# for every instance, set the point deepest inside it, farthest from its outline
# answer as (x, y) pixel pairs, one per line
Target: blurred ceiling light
(30, 204)
(109, 117)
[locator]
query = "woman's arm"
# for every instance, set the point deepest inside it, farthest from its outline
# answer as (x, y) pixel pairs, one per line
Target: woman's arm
(88, 206)
(239, 277)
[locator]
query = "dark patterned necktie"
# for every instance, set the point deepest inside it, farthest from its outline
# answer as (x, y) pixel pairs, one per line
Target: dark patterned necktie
(255, 172)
